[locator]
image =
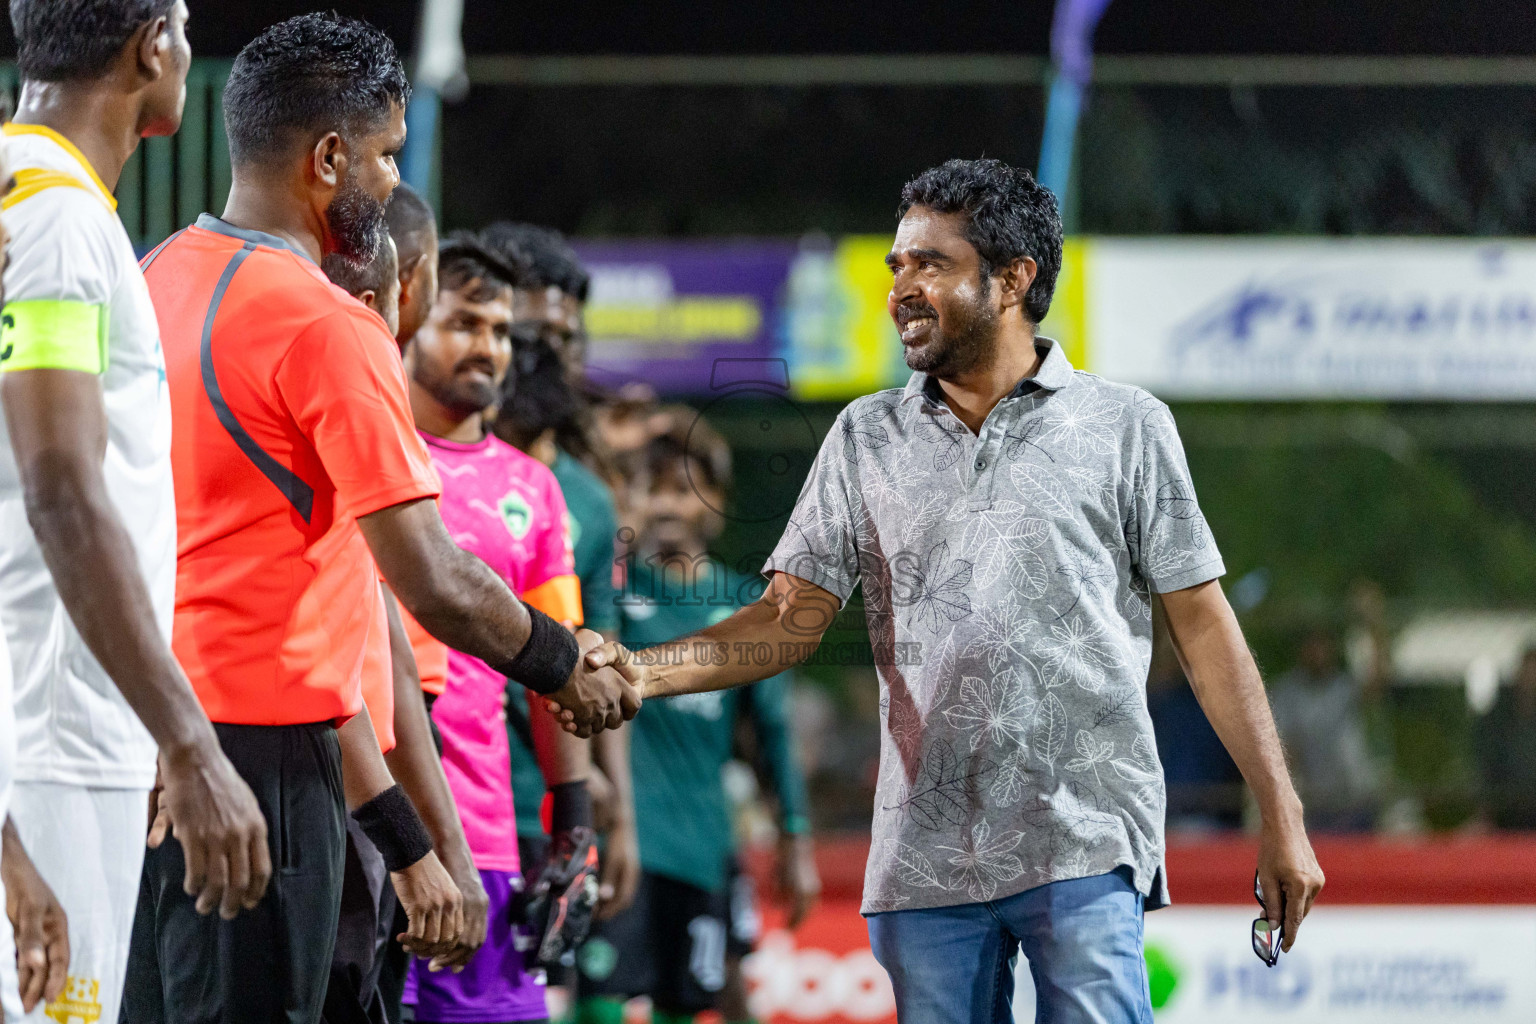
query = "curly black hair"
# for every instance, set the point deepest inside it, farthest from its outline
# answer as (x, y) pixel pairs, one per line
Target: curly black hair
(308, 75)
(1009, 215)
(550, 260)
(464, 260)
(70, 40)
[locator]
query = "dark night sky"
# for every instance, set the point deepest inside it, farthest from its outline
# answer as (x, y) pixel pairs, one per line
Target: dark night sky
(957, 26)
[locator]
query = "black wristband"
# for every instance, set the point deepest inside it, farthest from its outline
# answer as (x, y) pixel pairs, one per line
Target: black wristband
(571, 806)
(547, 659)
(390, 821)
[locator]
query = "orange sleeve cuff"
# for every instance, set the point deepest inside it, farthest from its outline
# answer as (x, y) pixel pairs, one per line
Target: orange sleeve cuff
(559, 598)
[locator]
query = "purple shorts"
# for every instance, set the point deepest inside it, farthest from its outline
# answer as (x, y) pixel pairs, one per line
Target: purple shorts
(495, 985)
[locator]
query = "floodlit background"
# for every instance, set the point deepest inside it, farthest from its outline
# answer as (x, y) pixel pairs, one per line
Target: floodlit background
(1307, 226)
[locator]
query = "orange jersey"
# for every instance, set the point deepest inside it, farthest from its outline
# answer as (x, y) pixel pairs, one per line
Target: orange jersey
(291, 419)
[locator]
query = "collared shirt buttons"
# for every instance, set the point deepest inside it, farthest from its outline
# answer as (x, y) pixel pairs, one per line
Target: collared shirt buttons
(981, 463)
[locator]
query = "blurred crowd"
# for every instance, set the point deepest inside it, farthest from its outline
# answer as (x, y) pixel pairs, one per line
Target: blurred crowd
(1356, 765)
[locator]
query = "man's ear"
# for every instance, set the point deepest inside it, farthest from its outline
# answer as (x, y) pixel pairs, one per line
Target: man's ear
(407, 277)
(366, 297)
(1014, 279)
(152, 49)
(328, 160)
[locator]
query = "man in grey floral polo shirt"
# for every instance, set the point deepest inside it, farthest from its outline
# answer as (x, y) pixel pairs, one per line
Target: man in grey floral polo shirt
(1009, 518)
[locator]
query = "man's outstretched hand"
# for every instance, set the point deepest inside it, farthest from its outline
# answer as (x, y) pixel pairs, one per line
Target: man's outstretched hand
(597, 696)
(214, 815)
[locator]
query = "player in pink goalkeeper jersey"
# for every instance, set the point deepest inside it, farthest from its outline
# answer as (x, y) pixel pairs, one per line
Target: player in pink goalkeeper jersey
(506, 508)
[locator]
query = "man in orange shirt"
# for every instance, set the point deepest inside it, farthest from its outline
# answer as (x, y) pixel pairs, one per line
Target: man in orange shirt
(295, 459)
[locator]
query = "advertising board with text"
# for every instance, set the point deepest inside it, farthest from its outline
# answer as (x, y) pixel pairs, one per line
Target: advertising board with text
(1186, 318)
(1353, 965)
(1312, 318)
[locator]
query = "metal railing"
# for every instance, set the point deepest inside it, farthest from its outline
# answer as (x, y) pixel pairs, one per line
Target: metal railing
(169, 181)
(996, 69)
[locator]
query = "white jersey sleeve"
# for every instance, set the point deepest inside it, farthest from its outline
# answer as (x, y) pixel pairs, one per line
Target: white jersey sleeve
(62, 273)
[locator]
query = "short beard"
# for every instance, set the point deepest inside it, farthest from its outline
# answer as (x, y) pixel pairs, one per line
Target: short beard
(971, 342)
(356, 222)
(446, 391)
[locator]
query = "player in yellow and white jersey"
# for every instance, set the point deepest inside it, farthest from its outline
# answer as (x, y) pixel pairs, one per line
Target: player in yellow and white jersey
(87, 513)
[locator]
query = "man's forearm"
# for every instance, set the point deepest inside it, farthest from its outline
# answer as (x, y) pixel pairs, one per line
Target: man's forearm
(1226, 681)
(414, 761)
(364, 775)
(610, 753)
(454, 595)
(473, 611)
(97, 575)
(561, 756)
(750, 646)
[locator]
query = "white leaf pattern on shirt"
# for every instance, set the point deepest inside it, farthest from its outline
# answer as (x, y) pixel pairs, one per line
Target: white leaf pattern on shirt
(1005, 543)
(1050, 730)
(992, 709)
(1008, 786)
(912, 865)
(1081, 423)
(1001, 636)
(1077, 651)
(985, 860)
(1090, 754)
(1042, 489)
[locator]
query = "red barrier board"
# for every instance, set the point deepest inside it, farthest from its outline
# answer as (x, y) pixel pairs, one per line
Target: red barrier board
(1360, 869)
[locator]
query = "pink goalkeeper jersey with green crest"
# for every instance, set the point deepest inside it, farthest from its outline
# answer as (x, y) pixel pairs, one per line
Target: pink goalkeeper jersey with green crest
(506, 508)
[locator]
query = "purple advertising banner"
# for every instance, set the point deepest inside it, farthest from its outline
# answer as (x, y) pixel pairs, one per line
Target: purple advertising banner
(665, 312)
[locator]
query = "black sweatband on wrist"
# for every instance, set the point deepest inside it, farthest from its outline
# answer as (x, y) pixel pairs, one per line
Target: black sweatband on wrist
(391, 823)
(571, 806)
(547, 659)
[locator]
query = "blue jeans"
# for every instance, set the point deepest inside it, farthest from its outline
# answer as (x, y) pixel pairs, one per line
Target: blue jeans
(954, 965)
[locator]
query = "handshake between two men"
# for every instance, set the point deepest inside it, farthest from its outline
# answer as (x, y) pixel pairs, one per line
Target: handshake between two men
(601, 692)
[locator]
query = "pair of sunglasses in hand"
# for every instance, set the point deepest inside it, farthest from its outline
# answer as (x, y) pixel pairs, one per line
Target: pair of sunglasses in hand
(1267, 937)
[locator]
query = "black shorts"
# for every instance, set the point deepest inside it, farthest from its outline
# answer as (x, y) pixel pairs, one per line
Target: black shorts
(271, 963)
(365, 928)
(670, 944)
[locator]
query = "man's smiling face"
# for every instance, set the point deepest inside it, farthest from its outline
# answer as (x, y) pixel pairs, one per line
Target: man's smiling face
(946, 310)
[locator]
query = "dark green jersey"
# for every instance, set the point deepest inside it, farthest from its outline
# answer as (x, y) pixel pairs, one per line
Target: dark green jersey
(592, 523)
(678, 745)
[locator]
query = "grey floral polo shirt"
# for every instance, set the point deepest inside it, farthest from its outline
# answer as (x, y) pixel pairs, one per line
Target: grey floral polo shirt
(1006, 581)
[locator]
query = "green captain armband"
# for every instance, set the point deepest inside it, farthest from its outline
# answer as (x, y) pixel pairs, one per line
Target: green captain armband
(52, 334)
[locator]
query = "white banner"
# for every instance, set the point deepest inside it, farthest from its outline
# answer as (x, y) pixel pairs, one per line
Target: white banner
(1351, 965)
(1227, 318)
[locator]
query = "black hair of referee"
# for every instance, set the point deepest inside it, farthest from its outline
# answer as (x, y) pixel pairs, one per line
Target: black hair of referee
(322, 76)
